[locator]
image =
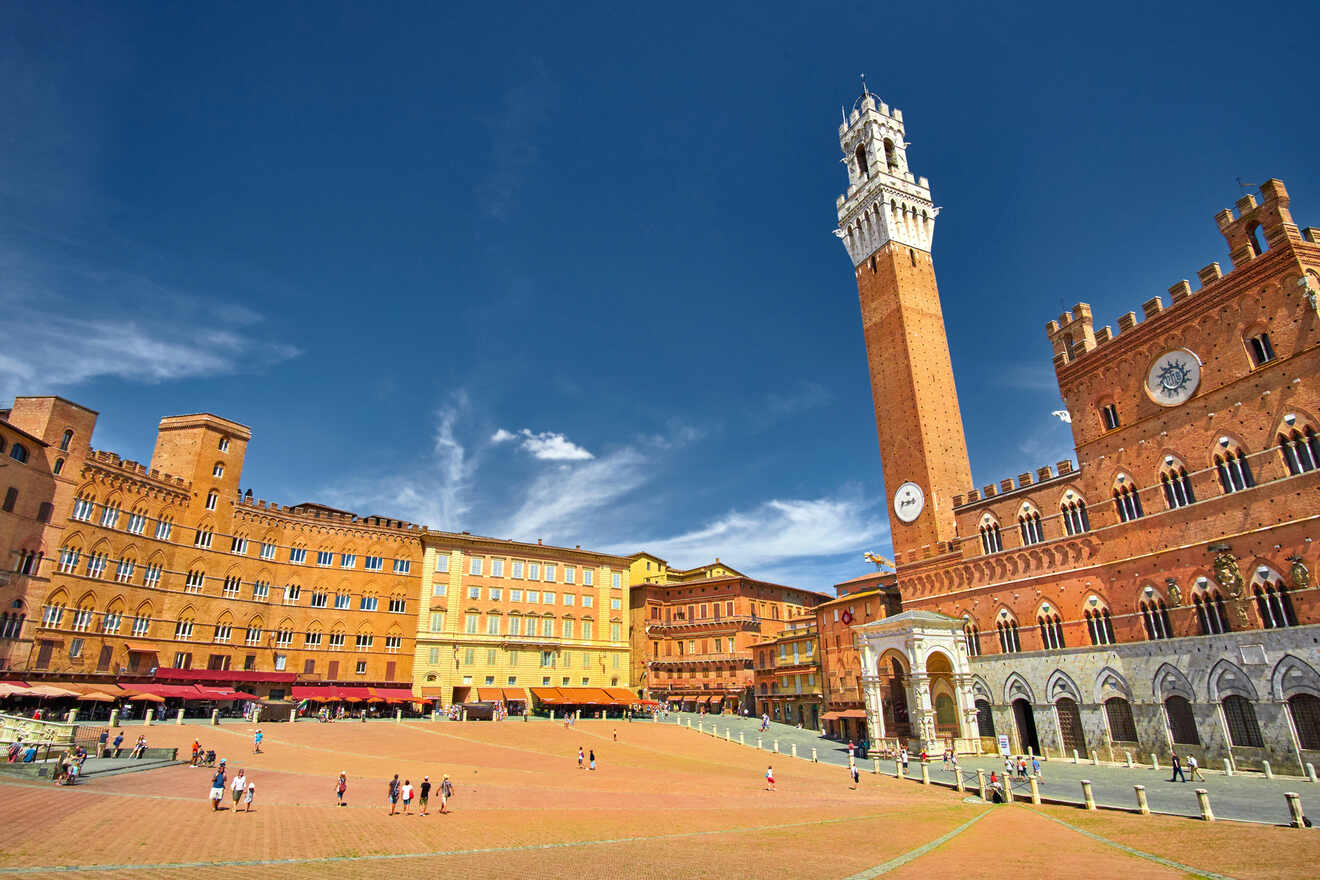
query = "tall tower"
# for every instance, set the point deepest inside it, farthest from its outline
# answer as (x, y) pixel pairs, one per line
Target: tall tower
(886, 221)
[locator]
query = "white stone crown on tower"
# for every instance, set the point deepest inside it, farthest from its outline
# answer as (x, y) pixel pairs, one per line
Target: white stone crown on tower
(884, 202)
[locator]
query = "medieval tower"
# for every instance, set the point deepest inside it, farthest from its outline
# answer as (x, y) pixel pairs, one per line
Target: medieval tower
(887, 221)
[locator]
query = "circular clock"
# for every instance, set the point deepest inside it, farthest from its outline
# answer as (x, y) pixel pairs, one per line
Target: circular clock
(909, 501)
(1173, 377)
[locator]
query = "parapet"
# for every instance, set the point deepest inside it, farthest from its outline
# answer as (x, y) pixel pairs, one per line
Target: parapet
(1073, 336)
(1004, 487)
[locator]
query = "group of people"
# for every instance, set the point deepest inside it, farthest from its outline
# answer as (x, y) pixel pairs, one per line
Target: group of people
(1193, 768)
(404, 792)
(1021, 765)
(582, 756)
(242, 789)
(202, 757)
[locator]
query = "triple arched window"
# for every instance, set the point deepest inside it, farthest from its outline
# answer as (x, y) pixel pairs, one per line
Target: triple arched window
(1300, 448)
(1029, 526)
(1051, 631)
(1126, 501)
(1075, 518)
(991, 540)
(1232, 466)
(1099, 626)
(1177, 484)
(1008, 636)
(1210, 612)
(1155, 618)
(973, 636)
(1274, 605)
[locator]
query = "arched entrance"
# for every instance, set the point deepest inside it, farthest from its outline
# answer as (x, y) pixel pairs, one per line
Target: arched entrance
(985, 719)
(893, 692)
(1070, 726)
(1025, 719)
(939, 672)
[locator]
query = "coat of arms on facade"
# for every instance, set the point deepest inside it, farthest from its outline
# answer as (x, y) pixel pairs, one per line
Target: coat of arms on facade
(1301, 576)
(1175, 592)
(1226, 568)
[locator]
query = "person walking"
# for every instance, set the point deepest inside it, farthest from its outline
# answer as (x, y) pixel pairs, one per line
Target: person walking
(341, 786)
(247, 800)
(118, 744)
(1035, 766)
(856, 777)
(593, 759)
(852, 750)
(392, 793)
(903, 758)
(407, 794)
(217, 789)
(1177, 770)
(256, 741)
(581, 757)
(1194, 769)
(100, 743)
(616, 734)
(446, 792)
(239, 787)
(424, 796)
(769, 778)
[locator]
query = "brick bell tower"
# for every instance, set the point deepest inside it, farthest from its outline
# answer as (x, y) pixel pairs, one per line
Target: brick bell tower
(887, 221)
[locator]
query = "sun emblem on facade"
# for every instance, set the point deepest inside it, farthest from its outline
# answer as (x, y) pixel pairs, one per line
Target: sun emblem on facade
(1174, 378)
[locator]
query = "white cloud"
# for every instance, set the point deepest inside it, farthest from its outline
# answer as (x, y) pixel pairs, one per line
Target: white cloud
(780, 536)
(436, 492)
(560, 502)
(545, 445)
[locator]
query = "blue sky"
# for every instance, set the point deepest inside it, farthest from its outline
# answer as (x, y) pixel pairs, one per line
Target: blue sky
(569, 273)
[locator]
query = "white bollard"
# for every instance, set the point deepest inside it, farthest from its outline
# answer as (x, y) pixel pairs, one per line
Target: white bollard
(1203, 798)
(875, 766)
(813, 755)
(1143, 806)
(215, 717)
(398, 716)
(1228, 767)
(741, 740)
(1310, 772)
(1095, 759)
(925, 773)
(114, 722)
(776, 747)
(1128, 755)
(1269, 771)
(1035, 789)
(1154, 762)
(146, 721)
(759, 746)
(1087, 796)
(178, 719)
(293, 715)
(795, 750)
(980, 783)
(1074, 756)
(1294, 808)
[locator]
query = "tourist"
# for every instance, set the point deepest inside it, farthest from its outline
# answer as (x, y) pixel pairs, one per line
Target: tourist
(251, 793)
(903, 758)
(616, 734)
(424, 796)
(1194, 769)
(407, 794)
(256, 741)
(446, 792)
(924, 758)
(1177, 769)
(75, 767)
(238, 787)
(996, 789)
(852, 751)
(392, 795)
(1022, 767)
(769, 778)
(593, 759)
(856, 777)
(581, 757)
(945, 758)
(118, 743)
(341, 786)
(139, 748)
(217, 788)
(196, 750)
(1035, 766)
(101, 743)
(953, 759)
(15, 748)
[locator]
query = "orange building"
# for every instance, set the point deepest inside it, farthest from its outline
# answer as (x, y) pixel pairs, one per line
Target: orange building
(1157, 597)
(693, 635)
(168, 568)
(860, 600)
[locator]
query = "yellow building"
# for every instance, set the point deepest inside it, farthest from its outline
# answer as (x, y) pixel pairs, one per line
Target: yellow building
(501, 619)
(788, 682)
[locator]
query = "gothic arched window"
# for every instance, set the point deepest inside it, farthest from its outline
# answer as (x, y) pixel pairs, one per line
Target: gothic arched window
(1301, 450)
(1177, 484)
(863, 170)
(1126, 501)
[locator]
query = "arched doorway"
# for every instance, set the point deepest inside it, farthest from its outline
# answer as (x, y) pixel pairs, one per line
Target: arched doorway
(939, 672)
(1070, 726)
(985, 720)
(893, 695)
(1026, 726)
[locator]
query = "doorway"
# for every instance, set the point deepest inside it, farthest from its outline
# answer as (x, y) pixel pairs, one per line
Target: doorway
(1070, 726)
(1025, 719)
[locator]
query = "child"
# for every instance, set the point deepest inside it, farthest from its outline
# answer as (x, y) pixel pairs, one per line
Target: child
(341, 786)
(581, 756)
(247, 800)
(769, 778)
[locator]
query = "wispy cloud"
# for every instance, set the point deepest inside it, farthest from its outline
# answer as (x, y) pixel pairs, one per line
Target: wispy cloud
(515, 132)
(544, 445)
(435, 491)
(781, 536)
(564, 502)
(1034, 376)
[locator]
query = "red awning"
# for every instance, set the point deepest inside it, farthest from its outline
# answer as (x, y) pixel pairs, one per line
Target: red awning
(548, 695)
(179, 691)
(170, 674)
(515, 695)
(394, 695)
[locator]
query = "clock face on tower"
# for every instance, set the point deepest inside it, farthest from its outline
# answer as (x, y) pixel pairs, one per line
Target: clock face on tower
(909, 501)
(1173, 377)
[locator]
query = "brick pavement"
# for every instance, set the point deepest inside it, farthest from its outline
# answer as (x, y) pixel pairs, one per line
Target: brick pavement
(665, 802)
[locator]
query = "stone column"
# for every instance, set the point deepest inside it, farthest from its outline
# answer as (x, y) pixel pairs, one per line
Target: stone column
(875, 709)
(921, 711)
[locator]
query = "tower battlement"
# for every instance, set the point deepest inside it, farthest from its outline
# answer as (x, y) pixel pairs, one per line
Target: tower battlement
(1072, 334)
